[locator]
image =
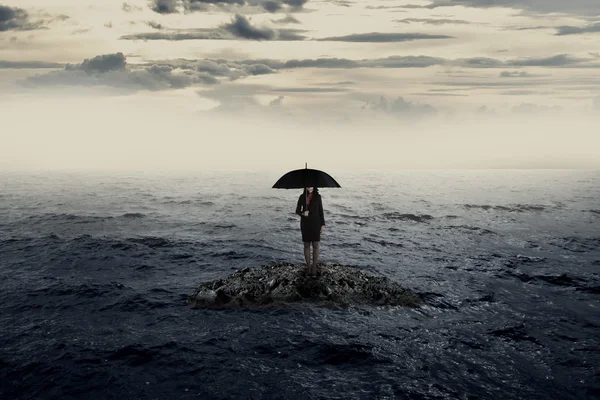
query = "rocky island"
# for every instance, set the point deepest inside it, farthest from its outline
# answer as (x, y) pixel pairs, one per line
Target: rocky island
(285, 283)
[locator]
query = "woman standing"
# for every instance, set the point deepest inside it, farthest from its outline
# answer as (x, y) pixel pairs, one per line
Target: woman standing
(312, 222)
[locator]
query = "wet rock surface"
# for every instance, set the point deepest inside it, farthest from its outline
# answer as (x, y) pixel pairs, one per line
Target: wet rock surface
(285, 283)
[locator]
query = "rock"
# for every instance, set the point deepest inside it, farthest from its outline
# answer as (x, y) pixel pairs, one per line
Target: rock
(205, 297)
(285, 283)
(273, 284)
(221, 296)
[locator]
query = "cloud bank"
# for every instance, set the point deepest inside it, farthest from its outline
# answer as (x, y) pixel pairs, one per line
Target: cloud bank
(187, 6)
(239, 28)
(17, 19)
(112, 70)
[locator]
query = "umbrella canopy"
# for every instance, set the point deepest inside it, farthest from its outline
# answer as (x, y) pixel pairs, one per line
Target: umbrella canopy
(301, 178)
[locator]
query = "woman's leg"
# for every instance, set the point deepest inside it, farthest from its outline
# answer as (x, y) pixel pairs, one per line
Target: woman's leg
(315, 256)
(307, 256)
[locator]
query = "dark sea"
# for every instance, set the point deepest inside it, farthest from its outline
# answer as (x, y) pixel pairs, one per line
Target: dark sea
(95, 270)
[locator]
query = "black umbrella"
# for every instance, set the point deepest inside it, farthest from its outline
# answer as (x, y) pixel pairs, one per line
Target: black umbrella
(301, 178)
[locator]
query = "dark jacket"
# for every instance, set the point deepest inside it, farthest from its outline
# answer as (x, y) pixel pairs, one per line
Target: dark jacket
(315, 208)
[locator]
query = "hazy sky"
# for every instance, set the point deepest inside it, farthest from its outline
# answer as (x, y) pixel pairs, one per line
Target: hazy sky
(188, 84)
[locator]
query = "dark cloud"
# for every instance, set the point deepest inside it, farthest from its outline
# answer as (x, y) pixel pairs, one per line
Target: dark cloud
(290, 35)
(231, 70)
(272, 6)
(112, 70)
(481, 62)
(177, 35)
(432, 21)
(412, 6)
(579, 7)
(203, 5)
(575, 30)
(207, 34)
(295, 3)
(258, 69)
(375, 37)
(559, 60)
(342, 3)
(404, 62)
(28, 64)
(164, 6)
(388, 62)
(81, 31)
(341, 83)
(218, 68)
(528, 28)
(213, 68)
(238, 28)
(17, 19)
(100, 64)
(321, 63)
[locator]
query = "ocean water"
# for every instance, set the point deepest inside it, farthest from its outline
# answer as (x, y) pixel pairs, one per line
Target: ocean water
(95, 270)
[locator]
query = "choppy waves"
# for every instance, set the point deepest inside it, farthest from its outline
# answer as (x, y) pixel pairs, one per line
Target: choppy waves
(512, 207)
(93, 287)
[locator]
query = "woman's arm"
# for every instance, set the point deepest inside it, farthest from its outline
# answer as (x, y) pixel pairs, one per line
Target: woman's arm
(321, 211)
(299, 205)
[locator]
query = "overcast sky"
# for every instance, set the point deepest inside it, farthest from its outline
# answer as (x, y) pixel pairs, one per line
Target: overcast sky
(188, 84)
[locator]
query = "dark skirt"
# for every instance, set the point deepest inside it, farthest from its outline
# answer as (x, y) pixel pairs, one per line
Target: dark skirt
(311, 229)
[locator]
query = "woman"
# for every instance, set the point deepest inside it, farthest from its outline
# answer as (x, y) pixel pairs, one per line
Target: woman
(312, 222)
